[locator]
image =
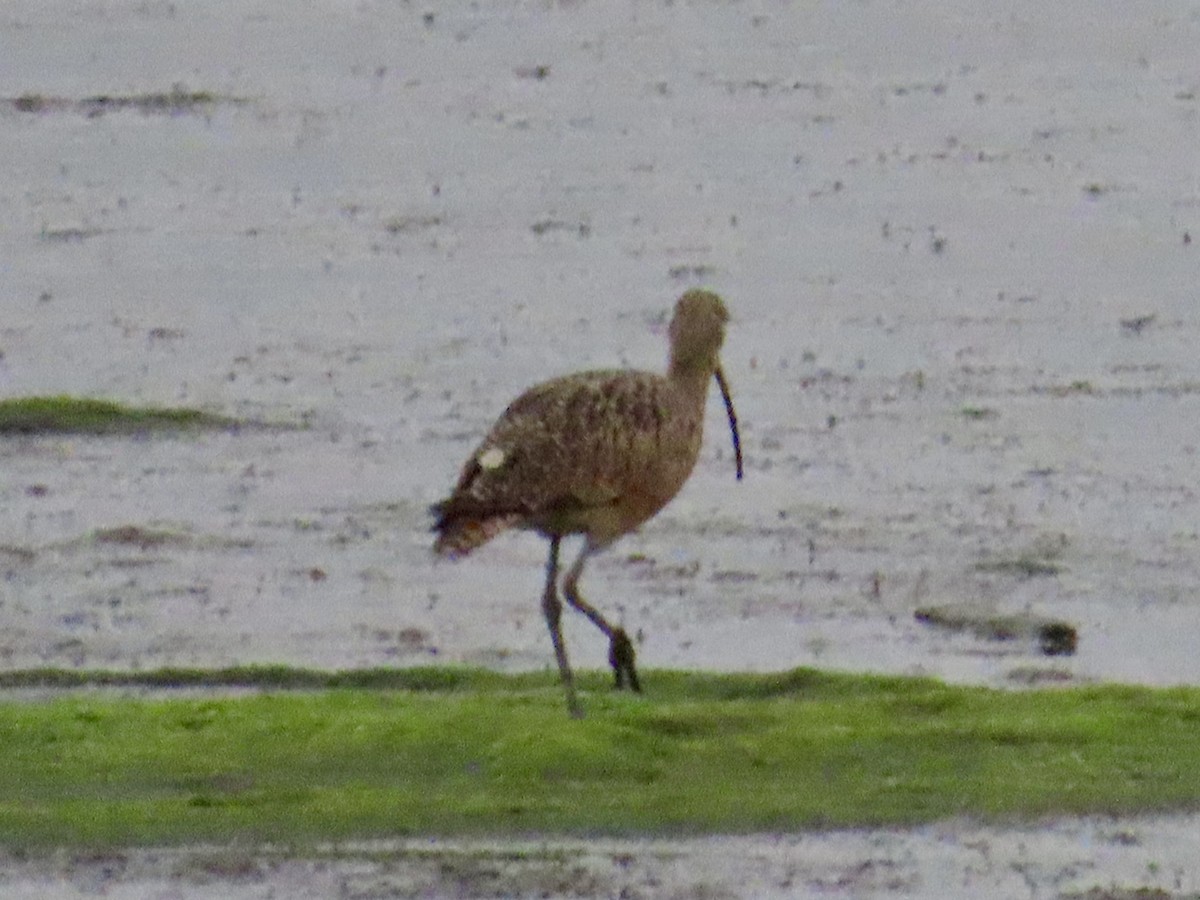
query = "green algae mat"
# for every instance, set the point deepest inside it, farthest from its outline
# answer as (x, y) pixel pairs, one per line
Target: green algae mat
(73, 415)
(66, 415)
(283, 755)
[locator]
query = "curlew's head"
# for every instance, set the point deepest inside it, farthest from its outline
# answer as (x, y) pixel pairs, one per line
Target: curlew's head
(697, 332)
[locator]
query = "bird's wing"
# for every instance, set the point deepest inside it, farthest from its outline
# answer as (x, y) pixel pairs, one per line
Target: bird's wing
(559, 446)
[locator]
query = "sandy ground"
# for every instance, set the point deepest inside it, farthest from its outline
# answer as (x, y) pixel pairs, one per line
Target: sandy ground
(959, 244)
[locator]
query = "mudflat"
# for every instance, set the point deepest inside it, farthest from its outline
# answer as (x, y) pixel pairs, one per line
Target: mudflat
(958, 247)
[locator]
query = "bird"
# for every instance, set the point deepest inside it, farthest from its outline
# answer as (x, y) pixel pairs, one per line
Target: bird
(595, 453)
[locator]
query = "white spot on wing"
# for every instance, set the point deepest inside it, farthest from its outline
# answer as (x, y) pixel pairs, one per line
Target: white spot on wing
(491, 458)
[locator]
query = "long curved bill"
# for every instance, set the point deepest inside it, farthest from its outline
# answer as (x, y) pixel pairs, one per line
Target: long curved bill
(733, 426)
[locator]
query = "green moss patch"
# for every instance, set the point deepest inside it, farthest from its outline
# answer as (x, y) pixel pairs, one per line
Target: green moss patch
(75, 415)
(461, 752)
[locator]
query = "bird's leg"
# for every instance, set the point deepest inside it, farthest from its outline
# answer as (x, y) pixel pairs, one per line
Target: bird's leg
(552, 609)
(621, 655)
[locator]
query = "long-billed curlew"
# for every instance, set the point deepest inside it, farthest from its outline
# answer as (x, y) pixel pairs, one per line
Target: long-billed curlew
(595, 453)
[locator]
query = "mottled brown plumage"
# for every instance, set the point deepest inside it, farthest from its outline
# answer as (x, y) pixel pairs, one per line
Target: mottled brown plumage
(597, 454)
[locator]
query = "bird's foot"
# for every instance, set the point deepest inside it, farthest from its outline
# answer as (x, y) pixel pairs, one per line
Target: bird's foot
(621, 657)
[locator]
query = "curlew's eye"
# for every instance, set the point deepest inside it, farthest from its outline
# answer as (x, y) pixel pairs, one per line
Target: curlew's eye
(491, 458)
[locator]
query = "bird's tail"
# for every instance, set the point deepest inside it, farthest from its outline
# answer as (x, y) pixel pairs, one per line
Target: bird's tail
(458, 535)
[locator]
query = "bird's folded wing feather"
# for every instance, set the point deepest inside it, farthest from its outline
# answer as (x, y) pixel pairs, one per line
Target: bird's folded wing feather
(560, 445)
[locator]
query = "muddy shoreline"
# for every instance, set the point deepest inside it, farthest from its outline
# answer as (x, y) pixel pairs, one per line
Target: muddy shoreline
(958, 246)
(1097, 859)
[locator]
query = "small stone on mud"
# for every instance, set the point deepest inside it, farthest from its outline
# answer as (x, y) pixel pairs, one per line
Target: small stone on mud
(1058, 639)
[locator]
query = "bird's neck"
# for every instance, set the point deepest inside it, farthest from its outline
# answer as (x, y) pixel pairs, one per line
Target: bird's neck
(692, 375)
(694, 364)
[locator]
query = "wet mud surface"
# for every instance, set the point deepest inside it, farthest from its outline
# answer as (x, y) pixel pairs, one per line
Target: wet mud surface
(958, 247)
(1088, 860)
